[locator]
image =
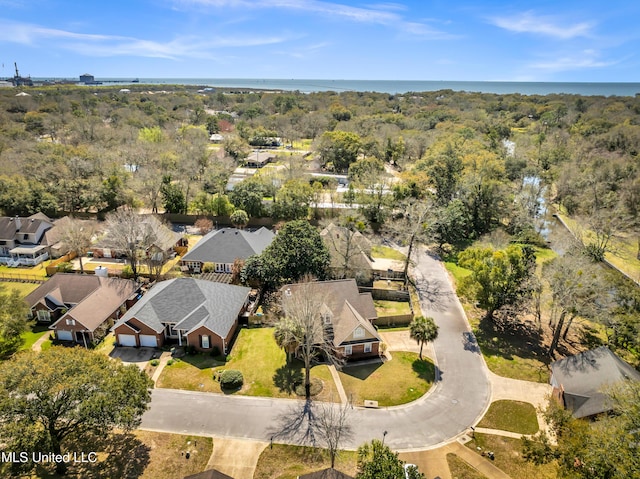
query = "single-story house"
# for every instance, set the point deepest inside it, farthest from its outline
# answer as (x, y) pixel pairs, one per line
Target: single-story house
(580, 381)
(257, 159)
(190, 312)
(53, 237)
(166, 240)
(222, 247)
(81, 308)
(351, 249)
(329, 473)
(349, 313)
(21, 239)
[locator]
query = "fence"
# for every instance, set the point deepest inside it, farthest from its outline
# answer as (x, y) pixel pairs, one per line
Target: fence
(386, 294)
(394, 320)
(52, 268)
(22, 278)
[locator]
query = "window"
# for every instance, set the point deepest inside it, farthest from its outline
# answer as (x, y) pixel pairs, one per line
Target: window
(44, 315)
(71, 322)
(204, 340)
(367, 347)
(358, 332)
(219, 268)
(348, 350)
(326, 318)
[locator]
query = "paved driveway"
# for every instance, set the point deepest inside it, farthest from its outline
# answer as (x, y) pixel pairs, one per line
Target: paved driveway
(137, 356)
(458, 399)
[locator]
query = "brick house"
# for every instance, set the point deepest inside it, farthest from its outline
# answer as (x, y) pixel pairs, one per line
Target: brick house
(81, 308)
(350, 315)
(187, 312)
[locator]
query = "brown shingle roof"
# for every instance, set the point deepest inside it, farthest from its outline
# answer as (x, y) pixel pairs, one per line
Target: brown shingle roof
(92, 299)
(349, 308)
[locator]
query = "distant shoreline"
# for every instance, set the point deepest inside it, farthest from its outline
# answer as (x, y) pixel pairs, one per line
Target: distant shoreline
(389, 86)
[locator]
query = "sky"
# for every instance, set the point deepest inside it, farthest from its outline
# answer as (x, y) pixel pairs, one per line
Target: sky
(559, 40)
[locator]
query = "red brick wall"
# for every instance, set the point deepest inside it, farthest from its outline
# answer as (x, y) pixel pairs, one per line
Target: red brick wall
(144, 329)
(358, 351)
(193, 339)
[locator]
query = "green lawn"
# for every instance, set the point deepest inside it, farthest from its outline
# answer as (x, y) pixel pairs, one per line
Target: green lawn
(513, 416)
(461, 470)
(456, 271)
(33, 335)
(38, 271)
(289, 462)
(391, 308)
(23, 288)
(511, 354)
(399, 381)
(262, 363)
(623, 248)
(508, 457)
(544, 254)
(379, 251)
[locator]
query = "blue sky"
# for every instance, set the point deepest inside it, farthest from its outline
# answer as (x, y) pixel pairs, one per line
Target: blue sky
(560, 40)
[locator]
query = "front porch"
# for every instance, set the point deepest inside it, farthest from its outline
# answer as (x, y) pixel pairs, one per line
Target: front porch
(26, 255)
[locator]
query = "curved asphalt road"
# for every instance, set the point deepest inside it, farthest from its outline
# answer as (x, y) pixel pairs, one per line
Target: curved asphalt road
(455, 402)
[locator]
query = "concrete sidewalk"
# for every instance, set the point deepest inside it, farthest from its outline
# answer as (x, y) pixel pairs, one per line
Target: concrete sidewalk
(433, 463)
(37, 346)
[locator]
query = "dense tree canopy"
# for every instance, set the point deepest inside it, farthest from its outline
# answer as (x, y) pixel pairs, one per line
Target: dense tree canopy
(51, 399)
(296, 251)
(498, 277)
(13, 321)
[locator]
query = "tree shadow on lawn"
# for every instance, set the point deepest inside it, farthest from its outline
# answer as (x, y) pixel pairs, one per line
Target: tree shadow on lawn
(288, 376)
(509, 339)
(425, 369)
(361, 371)
(202, 361)
(119, 455)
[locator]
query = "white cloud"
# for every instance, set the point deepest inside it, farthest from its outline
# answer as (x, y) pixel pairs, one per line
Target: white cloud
(584, 60)
(115, 45)
(528, 22)
(386, 14)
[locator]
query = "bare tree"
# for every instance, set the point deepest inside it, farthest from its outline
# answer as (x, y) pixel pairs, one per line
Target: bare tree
(315, 424)
(411, 227)
(77, 235)
(577, 290)
(347, 246)
(304, 306)
(132, 235)
(333, 427)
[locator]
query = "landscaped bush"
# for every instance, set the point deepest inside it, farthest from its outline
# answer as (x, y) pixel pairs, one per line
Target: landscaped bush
(170, 362)
(154, 362)
(65, 267)
(208, 268)
(215, 351)
(126, 272)
(231, 379)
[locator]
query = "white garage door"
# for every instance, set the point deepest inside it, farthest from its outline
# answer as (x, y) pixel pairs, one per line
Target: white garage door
(127, 340)
(148, 341)
(65, 335)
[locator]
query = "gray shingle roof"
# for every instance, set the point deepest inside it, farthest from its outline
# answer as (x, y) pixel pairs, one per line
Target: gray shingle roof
(189, 303)
(585, 376)
(227, 244)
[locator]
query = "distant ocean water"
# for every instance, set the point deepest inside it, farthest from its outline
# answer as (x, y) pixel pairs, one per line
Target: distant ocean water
(404, 86)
